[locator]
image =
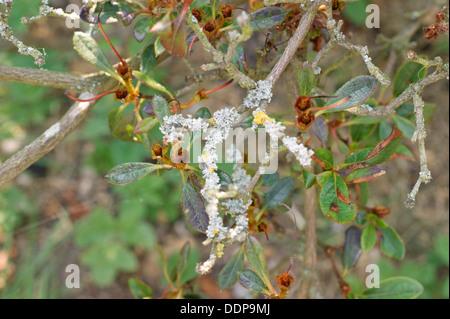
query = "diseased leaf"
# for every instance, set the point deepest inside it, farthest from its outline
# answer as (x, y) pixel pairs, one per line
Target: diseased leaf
(127, 173)
(365, 174)
(278, 192)
(151, 83)
(139, 289)
(368, 238)
(228, 276)
(161, 108)
(194, 208)
(324, 158)
(386, 148)
(395, 288)
(352, 249)
(250, 280)
(358, 89)
(391, 244)
(330, 203)
(89, 50)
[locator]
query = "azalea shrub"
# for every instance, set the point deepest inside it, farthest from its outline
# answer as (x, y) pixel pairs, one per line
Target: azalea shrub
(241, 164)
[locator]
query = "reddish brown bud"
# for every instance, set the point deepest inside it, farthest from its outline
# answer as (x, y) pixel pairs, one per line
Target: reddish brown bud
(380, 211)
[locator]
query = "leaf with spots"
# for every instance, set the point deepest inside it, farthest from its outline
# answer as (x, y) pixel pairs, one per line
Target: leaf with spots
(334, 200)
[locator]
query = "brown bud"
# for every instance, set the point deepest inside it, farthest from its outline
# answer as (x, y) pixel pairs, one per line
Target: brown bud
(302, 103)
(121, 94)
(380, 211)
(157, 150)
(285, 280)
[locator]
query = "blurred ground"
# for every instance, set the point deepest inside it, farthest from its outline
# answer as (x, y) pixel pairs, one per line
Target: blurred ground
(46, 205)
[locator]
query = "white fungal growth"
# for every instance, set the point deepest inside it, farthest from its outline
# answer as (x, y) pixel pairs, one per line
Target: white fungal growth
(263, 91)
(300, 152)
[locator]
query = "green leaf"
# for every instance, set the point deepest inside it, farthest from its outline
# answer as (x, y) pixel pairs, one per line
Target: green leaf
(250, 280)
(409, 72)
(159, 49)
(404, 151)
(278, 192)
(202, 113)
(355, 11)
(148, 59)
(183, 258)
(323, 177)
(122, 126)
(151, 83)
(127, 173)
(395, 288)
(267, 18)
(358, 156)
(224, 178)
(142, 27)
(391, 244)
(270, 179)
(352, 249)
(334, 201)
(406, 126)
(228, 276)
(361, 132)
(248, 122)
(305, 79)
(358, 89)
(255, 257)
(309, 179)
(161, 108)
(194, 208)
(145, 125)
(324, 158)
(364, 193)
(89, 50)
(139, 289)
(368, 238)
